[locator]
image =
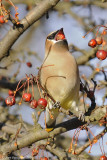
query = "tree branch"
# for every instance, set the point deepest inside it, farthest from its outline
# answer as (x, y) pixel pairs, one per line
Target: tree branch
(82, 148)
(37, 133)
(35, 14)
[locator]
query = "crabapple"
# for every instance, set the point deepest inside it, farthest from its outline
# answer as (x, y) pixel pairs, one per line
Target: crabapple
(26, 97)
(42, 103)
(10, 100)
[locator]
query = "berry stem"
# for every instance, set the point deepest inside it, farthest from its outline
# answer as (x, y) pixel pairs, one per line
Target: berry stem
(101, 148)
(11, 3)
(97, 31)
(70, 149)
(23, 90)
(20, 87)
(91, 133)
(32, 90)
(28, 86)
(38, 86)
(88, 139)
(93, 29)
(19, 83)
(90, 148)
(77, 135)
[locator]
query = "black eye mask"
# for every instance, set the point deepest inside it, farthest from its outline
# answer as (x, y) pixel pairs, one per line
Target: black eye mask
(52, 36)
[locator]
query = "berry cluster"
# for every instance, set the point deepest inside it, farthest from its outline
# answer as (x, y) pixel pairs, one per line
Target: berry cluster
(26, 96)
(10, 100)
(99, 40)
(5, 14)
(101, 54)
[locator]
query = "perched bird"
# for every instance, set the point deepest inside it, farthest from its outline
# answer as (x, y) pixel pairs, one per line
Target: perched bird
(59, 76)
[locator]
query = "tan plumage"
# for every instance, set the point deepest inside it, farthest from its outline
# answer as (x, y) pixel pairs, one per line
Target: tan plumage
(59, 75)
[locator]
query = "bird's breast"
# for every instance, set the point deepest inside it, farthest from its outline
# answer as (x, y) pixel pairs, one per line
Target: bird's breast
(59, 75)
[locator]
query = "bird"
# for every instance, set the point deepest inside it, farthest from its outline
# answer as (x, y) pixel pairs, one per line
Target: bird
(59, 76)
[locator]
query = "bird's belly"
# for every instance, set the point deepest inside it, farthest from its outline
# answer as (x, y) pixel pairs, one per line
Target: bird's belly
(63, 91)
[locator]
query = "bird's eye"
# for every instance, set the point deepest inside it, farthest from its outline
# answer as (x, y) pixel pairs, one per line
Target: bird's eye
(51, 37)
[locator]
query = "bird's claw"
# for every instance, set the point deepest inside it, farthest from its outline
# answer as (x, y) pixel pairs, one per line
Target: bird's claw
(56, 105)
(81, 116)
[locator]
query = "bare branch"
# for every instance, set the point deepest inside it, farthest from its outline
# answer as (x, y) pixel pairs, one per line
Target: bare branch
(81, 149)
(35, 14)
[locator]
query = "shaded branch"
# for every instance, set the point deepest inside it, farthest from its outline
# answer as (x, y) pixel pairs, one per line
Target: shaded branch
(5, 83)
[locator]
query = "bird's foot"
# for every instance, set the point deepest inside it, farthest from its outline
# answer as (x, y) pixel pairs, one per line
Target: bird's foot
(56, 105)
(81, 116)
(49, 129)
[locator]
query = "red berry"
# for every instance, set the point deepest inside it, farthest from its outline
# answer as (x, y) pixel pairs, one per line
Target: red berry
(101, 54)
(34, 104)
(103, 158)
(10, 100)
(42, 103)
(29, 64)
(92, 43)
(26, 97)
(11, 93)
(2, 19)
(43, 158)
(99, 40)
(60, 35)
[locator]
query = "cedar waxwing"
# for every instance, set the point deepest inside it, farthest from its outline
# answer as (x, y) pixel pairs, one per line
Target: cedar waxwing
(59, 75)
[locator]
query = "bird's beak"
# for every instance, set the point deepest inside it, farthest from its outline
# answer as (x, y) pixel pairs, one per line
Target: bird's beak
(59, 35)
